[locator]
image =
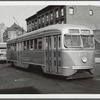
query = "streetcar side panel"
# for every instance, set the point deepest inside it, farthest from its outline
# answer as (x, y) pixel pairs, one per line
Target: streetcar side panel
(32, 57)
(47, 55)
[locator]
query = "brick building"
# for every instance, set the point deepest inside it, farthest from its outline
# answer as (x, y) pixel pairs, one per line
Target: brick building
(70, 14)
(47, 16)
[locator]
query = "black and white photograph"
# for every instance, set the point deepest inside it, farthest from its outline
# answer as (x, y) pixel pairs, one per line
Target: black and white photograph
(50, 48)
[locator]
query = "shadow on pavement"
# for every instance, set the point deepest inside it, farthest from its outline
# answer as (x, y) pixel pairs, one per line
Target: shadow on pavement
(21, 90)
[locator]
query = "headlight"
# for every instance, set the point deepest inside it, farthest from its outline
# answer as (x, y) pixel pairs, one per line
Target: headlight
(84, 59)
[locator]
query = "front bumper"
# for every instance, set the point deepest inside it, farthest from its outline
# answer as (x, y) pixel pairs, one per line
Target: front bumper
(82, 67)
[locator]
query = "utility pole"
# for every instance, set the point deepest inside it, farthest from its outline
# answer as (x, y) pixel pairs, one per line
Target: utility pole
(16, 20)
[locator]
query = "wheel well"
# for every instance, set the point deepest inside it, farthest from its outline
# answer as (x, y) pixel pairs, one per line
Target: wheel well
(36, 68)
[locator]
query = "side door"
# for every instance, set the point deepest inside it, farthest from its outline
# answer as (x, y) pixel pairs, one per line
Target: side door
(48, 54)
(57, 54)
(19, 52)
(53, 54)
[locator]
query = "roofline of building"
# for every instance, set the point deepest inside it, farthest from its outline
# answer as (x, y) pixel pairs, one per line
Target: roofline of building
(46, 9)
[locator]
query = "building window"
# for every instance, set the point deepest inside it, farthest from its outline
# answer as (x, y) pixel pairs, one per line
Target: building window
(57, 14)
(28, 26)
(71, 10)
(62, 21)
(57, 22)
(62, 11)
(39, 21)
(42, 19)
(47, 17)
(35, 23)
(51, 15)
(91, 12)
(27, 23)
(32, 25)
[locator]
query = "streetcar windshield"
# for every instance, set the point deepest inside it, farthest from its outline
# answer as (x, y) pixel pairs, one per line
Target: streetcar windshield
(78, 41)
(87, 41)
(72, 41)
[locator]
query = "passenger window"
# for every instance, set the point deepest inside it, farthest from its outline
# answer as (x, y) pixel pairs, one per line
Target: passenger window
(59, 41)
(55, 39)
(67, 41)
(46, 42)
(50, 42)
(40, 43)
(20, 46)
(31, 44)
(35, 43)
(27, 44)
(12, 47)
(17, 46)
(24, 45)
(8, 47)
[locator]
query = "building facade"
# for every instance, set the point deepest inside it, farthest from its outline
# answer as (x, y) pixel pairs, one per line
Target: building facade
(12, 32)
(5, 35)
(69, 14)
(47, 16)
(2, 29)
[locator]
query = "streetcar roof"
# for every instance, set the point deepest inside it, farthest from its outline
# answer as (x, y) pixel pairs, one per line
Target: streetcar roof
(57, 27)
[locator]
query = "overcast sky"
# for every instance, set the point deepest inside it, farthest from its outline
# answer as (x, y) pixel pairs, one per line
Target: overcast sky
(20, 13)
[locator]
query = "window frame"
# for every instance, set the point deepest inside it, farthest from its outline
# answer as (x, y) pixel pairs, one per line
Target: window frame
(71, 10)
(91, 12)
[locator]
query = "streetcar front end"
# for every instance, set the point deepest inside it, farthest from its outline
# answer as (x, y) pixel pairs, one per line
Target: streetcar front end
(78, 54)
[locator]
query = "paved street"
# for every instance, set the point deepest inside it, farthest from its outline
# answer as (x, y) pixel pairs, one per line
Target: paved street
(20, 81)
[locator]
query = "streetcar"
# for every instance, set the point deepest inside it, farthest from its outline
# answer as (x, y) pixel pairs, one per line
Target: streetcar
(3, 47)
(62, 49)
